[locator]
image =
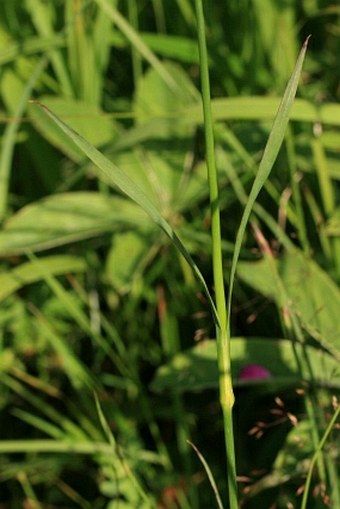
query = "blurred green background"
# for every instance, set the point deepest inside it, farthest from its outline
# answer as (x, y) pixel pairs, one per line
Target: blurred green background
(95, 300)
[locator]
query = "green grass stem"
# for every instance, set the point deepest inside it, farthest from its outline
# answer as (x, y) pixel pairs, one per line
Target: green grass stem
(31, 499)
(316, 455)
(223, 343)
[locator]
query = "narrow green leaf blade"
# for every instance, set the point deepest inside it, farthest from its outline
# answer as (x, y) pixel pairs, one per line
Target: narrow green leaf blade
(270, 153)
(26, 273)
(114, 174)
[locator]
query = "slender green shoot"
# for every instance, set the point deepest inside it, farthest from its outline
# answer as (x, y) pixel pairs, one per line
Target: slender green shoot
(27, 488)
(270, 153)
(316, 455)
(209, 474)
(223, 344)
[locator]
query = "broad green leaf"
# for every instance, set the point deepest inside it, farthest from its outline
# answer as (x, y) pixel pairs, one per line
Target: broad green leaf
(83, 117)
(119, 179)
(121, 269)
(196, 369)
(298, 446)
(295, 459)
(155, 99)
(159, 169)
(67, 217)
(160, 173)
(167, 144)
(13, 280)
(313, 297)
(151, 173)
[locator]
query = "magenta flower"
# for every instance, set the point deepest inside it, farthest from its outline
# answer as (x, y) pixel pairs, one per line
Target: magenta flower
(254, 372)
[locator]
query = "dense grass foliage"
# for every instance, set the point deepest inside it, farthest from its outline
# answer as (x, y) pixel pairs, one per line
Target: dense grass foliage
(108, 362)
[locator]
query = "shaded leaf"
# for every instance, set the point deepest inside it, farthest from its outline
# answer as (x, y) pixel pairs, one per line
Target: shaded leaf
(11, 281)
(313, 296)
(196, 369)
(291, 462)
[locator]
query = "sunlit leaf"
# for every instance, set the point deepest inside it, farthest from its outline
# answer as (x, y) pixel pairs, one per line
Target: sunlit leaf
(83, 117)
(68, 217)
(119, 179)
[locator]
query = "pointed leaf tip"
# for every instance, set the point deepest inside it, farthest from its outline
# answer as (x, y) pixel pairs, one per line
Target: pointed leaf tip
(305, 44)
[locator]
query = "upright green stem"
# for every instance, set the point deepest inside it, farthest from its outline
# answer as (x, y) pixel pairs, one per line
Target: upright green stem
(223, 346)
(316, 455)
(137, 68)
